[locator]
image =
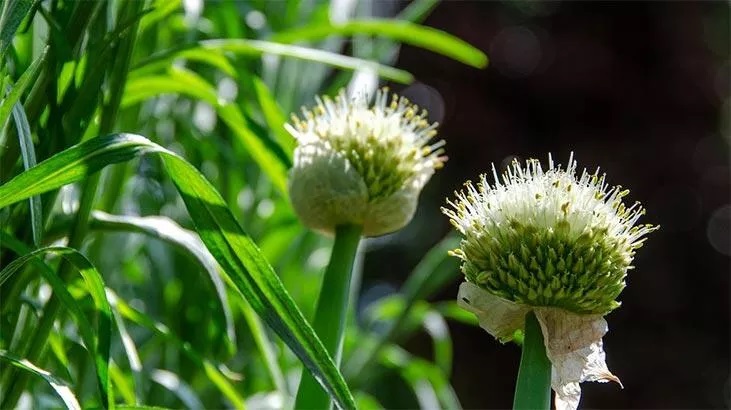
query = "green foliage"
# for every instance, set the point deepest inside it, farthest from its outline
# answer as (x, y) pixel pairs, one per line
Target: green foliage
(184, 277)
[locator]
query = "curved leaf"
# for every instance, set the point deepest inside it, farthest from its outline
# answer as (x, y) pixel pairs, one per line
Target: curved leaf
(61, 388)
(25, 80)
(240, 258)
(410, 33)
(187, 83)
(98, 346)
(165, 229)
(256, 48)
(123, 310)
(29, 160)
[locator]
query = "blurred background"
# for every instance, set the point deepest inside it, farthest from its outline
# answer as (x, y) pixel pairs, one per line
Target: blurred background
(640, 89)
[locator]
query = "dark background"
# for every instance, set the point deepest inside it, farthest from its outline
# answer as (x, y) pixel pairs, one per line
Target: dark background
(640, 89)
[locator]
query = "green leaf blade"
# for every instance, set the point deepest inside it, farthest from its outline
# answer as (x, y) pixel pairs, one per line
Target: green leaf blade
(413, 34)
(240, 258)
(61, 388)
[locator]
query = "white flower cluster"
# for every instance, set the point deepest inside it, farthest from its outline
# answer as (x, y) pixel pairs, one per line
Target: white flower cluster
(548, 199)
(361, 164)
(555, 244)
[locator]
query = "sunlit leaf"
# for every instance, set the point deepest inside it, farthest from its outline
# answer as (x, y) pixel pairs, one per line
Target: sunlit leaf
(60, 387)
(29, 160)
(16, 91)
(167, 230)
(97, 340)
(255, 48)
(189, 84)
(181, 389)
(414, 34)
(237, 254)
(13, 13)
(222, 383)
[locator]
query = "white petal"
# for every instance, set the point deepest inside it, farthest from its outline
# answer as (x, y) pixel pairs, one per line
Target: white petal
(391, 213)
(499, 317)
(574, 346)
(325, 189)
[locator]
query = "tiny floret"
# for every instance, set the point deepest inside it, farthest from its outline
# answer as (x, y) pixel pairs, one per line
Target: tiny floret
(554, 242)
(361, 164)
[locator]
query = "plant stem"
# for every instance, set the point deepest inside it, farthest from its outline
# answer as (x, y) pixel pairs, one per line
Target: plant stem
(533, 390)
(332, 305)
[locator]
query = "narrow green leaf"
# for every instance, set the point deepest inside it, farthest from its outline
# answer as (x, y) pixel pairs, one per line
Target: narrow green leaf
(274, 116)
(414, 34)
(13, 13)
(237, 254)
(25, 80)
(180, 388)
(165, 229)
(130, 350)
(29, 161)
(187, 83)
(123, 309)
(168, 231)
(140, 407)
(255, 48)
(160, 10)
(254, 276)
(74, 164)
(124, 385)
(98, 346)
(61, 388)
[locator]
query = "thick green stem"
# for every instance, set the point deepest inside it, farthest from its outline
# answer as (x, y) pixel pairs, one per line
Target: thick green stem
(332, 305)
(533, 390)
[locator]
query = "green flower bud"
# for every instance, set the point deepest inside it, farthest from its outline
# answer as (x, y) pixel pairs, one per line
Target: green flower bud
(548, 239)
(361, 165)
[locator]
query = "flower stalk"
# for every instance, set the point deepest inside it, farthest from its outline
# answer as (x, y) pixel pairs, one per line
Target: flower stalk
(533, 389)
(332, 305)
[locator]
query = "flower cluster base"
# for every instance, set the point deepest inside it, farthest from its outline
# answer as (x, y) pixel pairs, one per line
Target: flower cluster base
(573, 342)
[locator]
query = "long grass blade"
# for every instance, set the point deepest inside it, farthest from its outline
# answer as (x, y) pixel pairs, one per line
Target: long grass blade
(255, 48)
(123, 309)
(74, 164)
(165, 229)
(61, 388)
(237, 254)
(409, 33)
(25, 80)
(13, 13)
(187, 83)
(274, 116)
(130, 350)
(168, 231)
(180, 388)
(28, 153)
(97, 340)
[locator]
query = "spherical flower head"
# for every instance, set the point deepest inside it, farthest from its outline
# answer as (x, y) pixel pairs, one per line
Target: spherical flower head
(555, 243)
(548, 238)
(360, 164)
